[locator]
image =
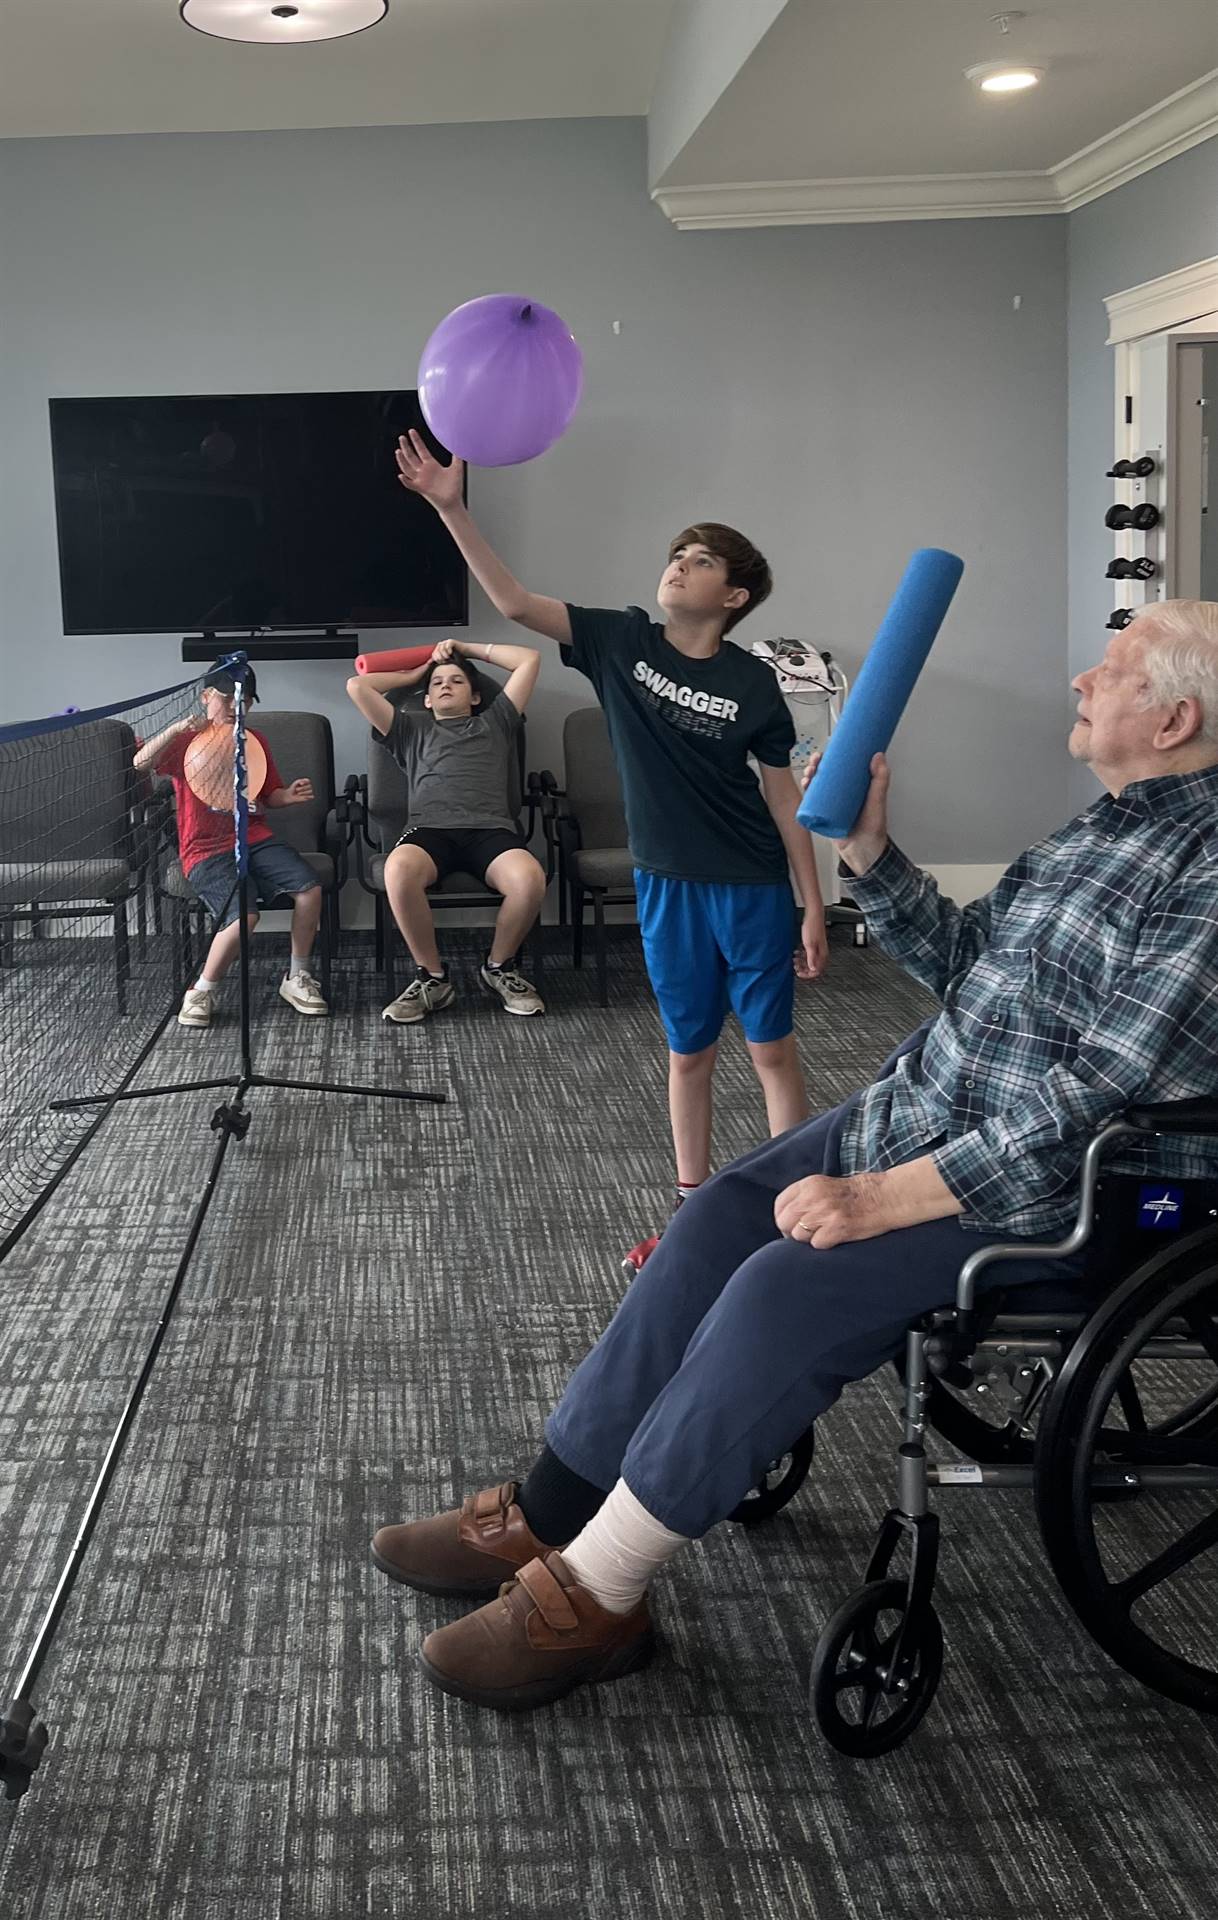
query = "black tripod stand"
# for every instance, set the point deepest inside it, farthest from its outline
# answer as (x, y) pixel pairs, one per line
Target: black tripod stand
(23, 1737)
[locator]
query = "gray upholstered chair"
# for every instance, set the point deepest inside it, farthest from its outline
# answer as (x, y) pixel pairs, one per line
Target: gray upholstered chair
(380, 810)
(303, 747)
(589, 827)
(69, 844)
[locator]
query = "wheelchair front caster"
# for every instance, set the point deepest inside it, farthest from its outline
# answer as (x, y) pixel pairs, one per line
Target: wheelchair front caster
(875, 1670)
(778, 1484)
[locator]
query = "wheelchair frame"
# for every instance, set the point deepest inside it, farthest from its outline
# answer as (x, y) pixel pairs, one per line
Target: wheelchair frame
(878, 1661)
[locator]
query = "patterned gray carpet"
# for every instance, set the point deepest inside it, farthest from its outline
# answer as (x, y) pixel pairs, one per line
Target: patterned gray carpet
(384, 1303)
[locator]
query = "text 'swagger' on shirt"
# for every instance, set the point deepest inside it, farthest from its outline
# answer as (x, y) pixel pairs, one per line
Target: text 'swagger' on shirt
(682, 732)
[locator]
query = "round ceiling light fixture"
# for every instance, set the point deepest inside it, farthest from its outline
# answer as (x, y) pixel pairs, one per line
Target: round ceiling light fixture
(282, 22)
(1003, 76)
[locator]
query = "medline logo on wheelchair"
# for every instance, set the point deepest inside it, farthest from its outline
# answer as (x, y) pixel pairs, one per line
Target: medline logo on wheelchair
(1161, 1208)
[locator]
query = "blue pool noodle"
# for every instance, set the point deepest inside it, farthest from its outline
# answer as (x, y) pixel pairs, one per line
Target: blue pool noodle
(886, 679)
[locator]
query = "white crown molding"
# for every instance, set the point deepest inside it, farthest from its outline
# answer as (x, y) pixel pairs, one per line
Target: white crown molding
(815, 203)
(1181, 121)
(1170, 128)
(1170, 301)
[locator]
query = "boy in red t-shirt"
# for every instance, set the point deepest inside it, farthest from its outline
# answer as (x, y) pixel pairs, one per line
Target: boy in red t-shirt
(205, 847)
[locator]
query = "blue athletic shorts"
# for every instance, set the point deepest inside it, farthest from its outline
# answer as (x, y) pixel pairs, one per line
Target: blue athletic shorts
(709, 947)
(274, 870)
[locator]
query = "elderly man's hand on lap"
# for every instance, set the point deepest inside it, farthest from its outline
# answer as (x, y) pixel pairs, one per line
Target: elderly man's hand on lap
(824, 1210)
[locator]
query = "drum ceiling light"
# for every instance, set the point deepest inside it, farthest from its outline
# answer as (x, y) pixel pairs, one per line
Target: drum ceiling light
(282, 22)
(1002, 76)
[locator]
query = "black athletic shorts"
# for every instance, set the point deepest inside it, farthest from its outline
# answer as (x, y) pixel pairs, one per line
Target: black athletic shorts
(462, 849)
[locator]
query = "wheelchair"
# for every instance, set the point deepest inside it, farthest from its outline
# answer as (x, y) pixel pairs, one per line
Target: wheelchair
(1100, 1394)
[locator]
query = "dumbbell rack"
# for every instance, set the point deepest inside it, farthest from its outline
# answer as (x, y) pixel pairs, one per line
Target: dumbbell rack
(1138, 565)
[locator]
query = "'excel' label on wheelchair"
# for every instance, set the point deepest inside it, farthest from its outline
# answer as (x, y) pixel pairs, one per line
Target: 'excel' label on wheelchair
(1161, 1208)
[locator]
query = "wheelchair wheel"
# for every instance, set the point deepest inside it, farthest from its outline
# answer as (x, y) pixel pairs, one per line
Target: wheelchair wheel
(780, 1483)
(863, 1706)
(1136, 1406)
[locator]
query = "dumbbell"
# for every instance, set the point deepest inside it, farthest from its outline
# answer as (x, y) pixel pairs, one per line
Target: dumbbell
(1143, 569)
(1141, 518)
(1122, 617)
(1132, 469)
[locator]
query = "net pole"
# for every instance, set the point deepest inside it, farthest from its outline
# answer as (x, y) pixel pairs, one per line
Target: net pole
(241, 814)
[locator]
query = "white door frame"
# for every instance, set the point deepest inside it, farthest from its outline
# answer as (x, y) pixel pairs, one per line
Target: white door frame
(1143, 325)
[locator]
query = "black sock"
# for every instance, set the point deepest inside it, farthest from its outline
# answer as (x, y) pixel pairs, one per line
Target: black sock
(556, 1502)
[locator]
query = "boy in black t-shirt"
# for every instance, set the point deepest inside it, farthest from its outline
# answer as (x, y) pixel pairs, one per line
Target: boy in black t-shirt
(685, 711)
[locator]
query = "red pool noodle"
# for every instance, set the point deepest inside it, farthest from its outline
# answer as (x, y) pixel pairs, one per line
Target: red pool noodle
(396, 660)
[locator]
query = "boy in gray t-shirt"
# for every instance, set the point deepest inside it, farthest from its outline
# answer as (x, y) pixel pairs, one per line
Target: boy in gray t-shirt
(457, 760)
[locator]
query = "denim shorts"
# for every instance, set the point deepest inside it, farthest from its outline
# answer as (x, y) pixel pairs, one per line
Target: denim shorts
(274, 870)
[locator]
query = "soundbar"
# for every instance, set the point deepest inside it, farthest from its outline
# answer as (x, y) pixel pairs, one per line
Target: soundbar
(329, 645)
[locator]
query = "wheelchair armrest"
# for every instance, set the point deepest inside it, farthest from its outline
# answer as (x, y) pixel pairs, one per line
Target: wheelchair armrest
(1176, 1116)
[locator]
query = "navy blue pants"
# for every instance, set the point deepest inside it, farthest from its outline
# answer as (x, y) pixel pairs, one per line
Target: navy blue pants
(732, 1340)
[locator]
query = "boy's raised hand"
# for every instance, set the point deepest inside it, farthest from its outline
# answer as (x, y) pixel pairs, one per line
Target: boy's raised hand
(419, 472)
(299, 792)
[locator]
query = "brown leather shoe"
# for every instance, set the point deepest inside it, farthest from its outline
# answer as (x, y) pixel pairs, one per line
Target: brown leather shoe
(542, 1637)
(470, 1550)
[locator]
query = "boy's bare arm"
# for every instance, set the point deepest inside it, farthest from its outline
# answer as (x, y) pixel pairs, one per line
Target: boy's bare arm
(423, 475)
(152, 750)
(521, 664)
(372, 704)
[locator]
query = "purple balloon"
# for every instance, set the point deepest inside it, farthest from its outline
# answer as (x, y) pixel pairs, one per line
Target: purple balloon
(500, 380)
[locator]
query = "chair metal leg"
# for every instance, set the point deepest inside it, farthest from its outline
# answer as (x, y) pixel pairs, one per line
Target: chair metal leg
(577, 925)
(379, 922)
(336, 925)
(122, 954)
(141, 912)
(177, 951)
(602, 953)
(388, 969)
(323, 938)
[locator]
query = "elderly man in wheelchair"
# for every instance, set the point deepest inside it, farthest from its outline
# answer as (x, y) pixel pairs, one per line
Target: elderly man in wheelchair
(1074, 1060)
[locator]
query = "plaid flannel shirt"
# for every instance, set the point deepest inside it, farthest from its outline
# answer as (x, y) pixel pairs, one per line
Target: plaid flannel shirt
(1085, 983)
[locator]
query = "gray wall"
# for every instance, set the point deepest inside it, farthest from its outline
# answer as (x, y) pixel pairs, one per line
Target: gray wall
(844, 393)
(1163, 220)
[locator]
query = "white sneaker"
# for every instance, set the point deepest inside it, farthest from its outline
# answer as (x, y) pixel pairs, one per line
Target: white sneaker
(423, 996)
(301, 991)
(517, 994)
(196, 1008)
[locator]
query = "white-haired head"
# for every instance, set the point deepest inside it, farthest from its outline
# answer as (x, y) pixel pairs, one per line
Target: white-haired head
(1180, 657)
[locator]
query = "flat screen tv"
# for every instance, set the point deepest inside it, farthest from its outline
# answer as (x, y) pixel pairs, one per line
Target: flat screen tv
(235, 512)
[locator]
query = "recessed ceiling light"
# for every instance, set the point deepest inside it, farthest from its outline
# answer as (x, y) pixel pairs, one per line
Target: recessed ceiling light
(1003, 76)
(282, 22)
